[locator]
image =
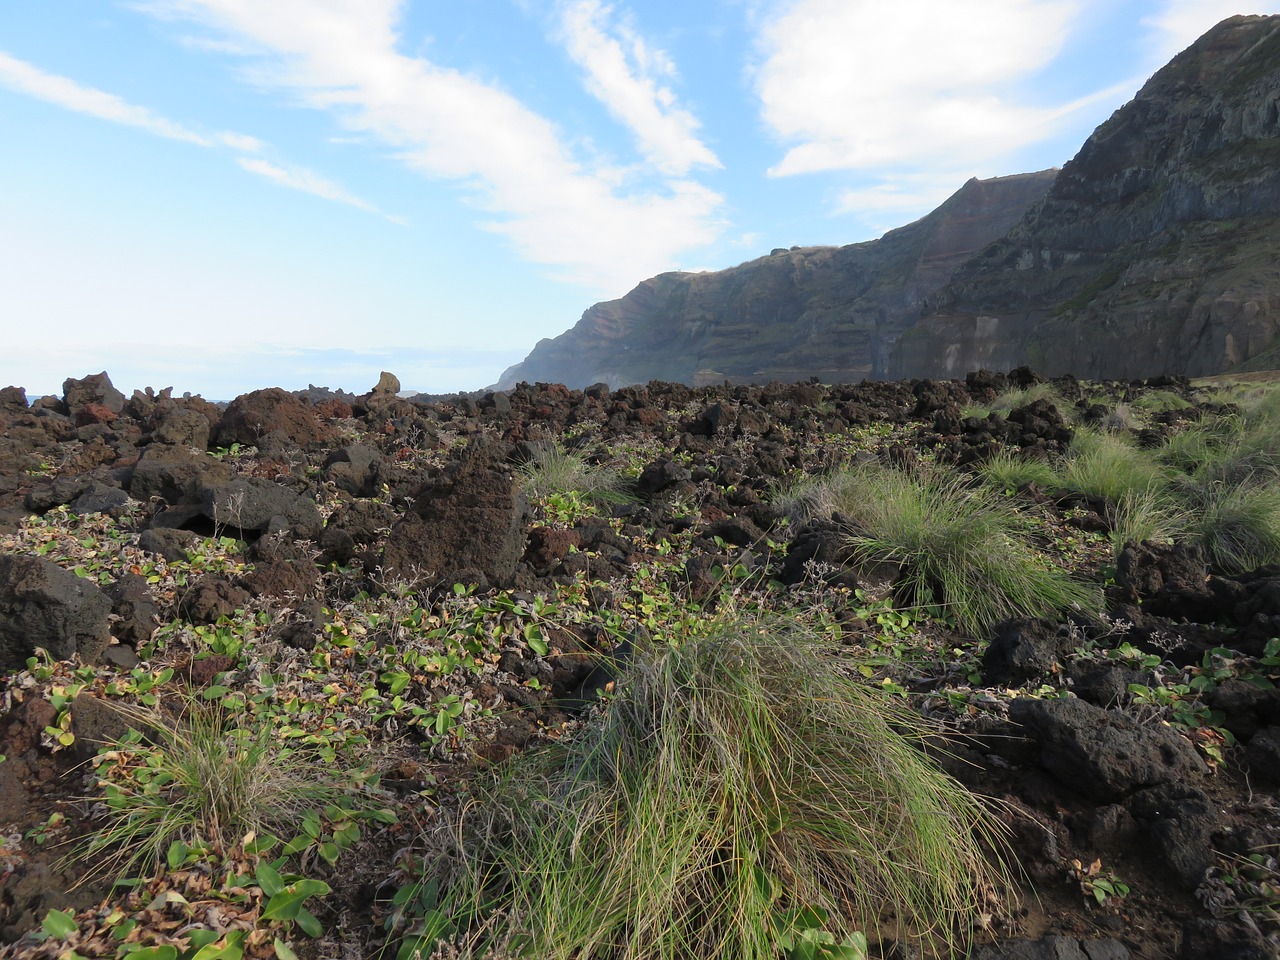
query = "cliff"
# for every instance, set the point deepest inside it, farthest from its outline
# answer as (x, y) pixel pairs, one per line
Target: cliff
(830, 312)
(1157, 248)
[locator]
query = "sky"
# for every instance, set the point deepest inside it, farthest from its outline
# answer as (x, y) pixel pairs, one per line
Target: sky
(223, 195)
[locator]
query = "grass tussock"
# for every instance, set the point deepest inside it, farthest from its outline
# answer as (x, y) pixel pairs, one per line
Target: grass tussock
(1237, 524)
(1153, 514)
(1011, 471)
(552, 471)
(739, 785)
(960, 545)
(1107, 467)
(206, 780)
(1016, 397)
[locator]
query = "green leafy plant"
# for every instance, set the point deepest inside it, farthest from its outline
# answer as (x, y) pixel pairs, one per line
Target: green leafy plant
(211, 777)
(1094, 882)
(736, 779)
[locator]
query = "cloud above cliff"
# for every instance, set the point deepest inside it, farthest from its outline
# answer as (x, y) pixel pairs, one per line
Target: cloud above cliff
(596, 222)
(864, 85)
(909, 99)
(630, 77)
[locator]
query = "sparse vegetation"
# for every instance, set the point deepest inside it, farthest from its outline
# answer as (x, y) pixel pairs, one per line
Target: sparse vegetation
(738, 781)
(207, 779)
(552, 473)
(958, 544)
(750, 783)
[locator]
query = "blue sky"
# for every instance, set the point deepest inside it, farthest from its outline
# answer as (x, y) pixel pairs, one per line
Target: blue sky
(221, 195)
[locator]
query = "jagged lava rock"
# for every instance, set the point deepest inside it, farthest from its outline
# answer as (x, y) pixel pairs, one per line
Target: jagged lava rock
(467, 525)
(42, 605)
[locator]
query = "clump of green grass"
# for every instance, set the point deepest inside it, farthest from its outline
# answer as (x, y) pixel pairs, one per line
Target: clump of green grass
(1161, 401)
(207, 779)
(552, 471)
(1105, 466)
(739, 781)
(957, 544)
(1016, 397)
(1237, 524)
(1154, 514)
(1008, 470)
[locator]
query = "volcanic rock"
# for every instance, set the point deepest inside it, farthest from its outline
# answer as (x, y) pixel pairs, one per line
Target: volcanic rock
(466, 526)
(42, 605)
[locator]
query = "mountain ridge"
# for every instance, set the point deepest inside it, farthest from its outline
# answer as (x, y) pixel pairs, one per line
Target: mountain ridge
(1153, 251)
(775, 317)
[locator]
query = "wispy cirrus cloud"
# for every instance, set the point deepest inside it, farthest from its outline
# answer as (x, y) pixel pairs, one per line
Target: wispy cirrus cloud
(601, 226)
(65, 92)
(308, 181)
(27, 78)
(630, 77)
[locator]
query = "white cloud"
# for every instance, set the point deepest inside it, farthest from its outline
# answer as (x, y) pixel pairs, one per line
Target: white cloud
(1179, 23)
(240, 141)
(594, 226)
(26, 78)
(864, 85)
(308, 181)
(626, 74)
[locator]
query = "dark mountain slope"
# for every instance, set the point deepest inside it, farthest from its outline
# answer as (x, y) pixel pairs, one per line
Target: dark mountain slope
(830, 312)
(1157, 250)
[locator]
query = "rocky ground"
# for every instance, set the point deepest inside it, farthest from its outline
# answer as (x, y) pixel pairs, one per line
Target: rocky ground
(371, 578)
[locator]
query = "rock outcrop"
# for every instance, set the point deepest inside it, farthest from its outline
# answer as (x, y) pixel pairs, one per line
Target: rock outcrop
(1157, 250)
(830, 312)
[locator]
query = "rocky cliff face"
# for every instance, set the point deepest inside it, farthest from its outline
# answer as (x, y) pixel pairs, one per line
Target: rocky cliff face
(830, 312)
(1157, 250)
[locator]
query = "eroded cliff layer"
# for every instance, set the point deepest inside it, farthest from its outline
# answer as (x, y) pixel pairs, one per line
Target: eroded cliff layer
(831, 312)
(1157, 249)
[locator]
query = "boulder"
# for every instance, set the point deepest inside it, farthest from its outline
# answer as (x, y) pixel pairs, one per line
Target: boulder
(1024, 649)
(1179, 821)
(211, 597)
(1103, 754)
(246, 508)
(467, 525)
(388, 384)
(92, 390)
(355, 468)
(175, 474)
(42, 605)
(183, 427)
(135, 606)
(251, 417)
(13, 400)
